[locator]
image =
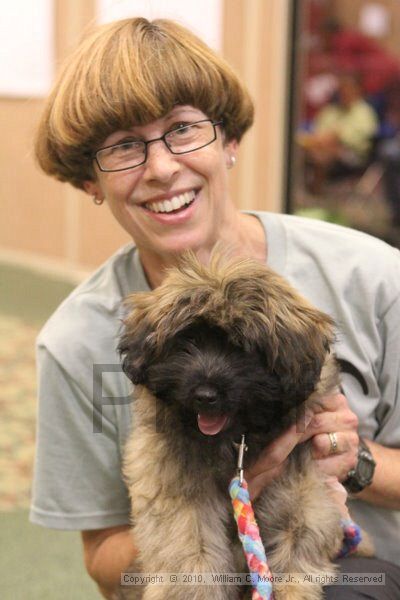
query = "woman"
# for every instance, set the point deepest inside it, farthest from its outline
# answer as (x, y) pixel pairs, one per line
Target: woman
(148, 119)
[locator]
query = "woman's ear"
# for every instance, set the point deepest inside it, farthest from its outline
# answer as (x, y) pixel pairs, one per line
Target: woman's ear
(231, 150)
(93, 189)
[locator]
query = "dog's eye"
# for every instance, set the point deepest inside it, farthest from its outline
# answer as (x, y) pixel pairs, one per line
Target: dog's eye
(190, 344)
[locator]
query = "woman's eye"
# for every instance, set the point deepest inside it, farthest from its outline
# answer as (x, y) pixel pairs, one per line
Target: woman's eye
(182, 128)
(127, 146)
(183, 133)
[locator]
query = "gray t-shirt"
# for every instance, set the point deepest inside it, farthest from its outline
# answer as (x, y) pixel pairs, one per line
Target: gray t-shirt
(85, 399)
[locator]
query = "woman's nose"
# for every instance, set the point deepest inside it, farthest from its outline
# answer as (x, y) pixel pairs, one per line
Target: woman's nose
(161, 164)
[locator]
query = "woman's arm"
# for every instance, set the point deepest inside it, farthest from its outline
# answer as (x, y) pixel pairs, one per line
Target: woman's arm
(384, 490)
(108, 553)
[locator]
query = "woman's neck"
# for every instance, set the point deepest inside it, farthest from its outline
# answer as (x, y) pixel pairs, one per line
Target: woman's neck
(245, 236)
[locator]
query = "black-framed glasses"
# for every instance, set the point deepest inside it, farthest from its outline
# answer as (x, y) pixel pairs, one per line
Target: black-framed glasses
(181, 140)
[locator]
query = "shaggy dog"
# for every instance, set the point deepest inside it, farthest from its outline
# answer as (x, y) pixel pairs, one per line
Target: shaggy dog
(216, 352)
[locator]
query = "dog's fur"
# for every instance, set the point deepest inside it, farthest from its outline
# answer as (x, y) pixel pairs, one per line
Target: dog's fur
(234, 339)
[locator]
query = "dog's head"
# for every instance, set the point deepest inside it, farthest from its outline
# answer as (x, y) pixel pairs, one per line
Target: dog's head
(231, 347)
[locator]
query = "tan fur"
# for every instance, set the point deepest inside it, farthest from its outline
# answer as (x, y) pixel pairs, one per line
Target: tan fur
(182, 521)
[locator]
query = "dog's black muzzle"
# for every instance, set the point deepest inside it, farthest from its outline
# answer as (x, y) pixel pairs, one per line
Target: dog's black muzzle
(206, 398)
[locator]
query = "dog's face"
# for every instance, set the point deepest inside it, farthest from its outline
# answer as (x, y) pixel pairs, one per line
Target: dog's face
(216, 387)
(232, 351)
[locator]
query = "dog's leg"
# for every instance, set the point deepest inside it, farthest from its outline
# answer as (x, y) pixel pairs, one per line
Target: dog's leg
(178, 528)
(191, 541)
(300, 527)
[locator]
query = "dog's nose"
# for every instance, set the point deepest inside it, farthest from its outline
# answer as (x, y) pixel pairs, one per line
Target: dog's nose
(205, 396)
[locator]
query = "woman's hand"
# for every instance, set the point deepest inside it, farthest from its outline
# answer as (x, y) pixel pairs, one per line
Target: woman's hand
(336, 417)
(272, 460)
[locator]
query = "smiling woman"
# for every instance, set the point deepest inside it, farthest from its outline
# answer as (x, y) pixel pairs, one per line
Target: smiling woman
(148, 119)
(159, 153)
(174, 195)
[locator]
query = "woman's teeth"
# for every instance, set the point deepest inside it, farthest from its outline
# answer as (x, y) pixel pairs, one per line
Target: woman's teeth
(174, 203)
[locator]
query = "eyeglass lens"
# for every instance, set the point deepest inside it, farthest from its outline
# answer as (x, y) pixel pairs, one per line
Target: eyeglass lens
(179, 141)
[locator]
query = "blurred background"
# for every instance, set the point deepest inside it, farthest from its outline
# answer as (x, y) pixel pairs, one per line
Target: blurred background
(346, 77)
(304, 62)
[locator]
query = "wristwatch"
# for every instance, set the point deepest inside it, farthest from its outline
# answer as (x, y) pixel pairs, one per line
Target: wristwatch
(361, 476)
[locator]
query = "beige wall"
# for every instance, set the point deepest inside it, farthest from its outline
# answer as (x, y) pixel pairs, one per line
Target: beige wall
(46, 222)
(30, 217)
(255, 43)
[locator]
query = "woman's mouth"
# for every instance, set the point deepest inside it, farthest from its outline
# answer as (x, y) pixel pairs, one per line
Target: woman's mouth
(174, 205)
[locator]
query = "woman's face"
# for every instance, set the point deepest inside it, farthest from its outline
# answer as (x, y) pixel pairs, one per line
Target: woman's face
(197, 181)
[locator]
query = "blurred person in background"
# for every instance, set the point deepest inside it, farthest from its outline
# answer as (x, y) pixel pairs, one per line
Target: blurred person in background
(342, 134)
(339, 49)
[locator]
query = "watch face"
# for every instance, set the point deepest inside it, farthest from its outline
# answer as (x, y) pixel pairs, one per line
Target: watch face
(364, 470)
(362, 475)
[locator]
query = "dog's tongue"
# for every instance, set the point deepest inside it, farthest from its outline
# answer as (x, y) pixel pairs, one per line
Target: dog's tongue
(211, 425)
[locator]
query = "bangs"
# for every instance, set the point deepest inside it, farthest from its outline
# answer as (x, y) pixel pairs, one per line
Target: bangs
(144, 82)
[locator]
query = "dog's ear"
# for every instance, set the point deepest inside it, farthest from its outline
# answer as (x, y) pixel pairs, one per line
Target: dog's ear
(304, 340)
(263, 311)
(137, 348)
(293, 335)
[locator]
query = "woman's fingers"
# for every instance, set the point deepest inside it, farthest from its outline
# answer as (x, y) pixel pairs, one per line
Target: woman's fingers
(272, 460)
(333, 437)
(324, 445)
(336, 416)
(276, 452)
(332, 431)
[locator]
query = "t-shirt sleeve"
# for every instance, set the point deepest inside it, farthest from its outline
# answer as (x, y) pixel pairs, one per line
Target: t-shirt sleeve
(388, 410)
(77, 481)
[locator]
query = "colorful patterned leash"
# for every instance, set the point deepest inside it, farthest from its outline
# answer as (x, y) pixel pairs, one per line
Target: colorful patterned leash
(249, 533)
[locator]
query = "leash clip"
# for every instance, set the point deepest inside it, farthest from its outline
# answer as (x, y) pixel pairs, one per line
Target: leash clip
(242, 448)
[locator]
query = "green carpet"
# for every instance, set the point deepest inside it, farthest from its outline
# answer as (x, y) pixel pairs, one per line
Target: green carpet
(35, 563)
(30, 295)
(40, 564)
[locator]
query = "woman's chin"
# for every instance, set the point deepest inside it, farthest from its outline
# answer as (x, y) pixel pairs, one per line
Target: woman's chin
(196, 241)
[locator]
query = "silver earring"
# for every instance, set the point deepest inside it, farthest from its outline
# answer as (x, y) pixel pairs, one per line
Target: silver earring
(97, 200)
(232, 162)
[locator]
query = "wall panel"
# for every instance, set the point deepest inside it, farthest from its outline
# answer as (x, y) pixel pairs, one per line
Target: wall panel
(256, 44)
(31, 206)
(46, 220)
